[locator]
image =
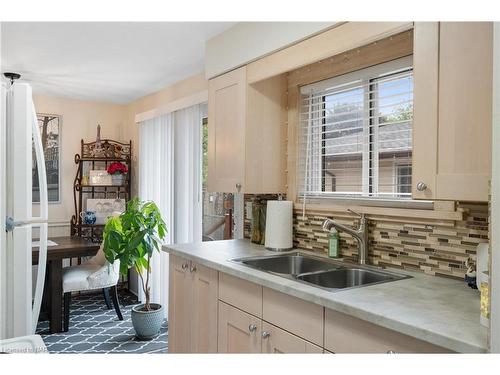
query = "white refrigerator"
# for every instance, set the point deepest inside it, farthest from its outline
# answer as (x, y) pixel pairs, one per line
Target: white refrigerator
(19, 135)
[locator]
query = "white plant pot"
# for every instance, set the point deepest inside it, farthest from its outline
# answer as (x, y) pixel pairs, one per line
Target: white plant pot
(117, 179)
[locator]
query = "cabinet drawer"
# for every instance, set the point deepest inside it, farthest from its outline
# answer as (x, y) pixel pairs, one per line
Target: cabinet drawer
(277, 341)
(243, 294)
(346, 334)
(299, 317)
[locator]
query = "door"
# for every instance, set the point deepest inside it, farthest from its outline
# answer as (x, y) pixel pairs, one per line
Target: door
(179, 306)
(22, 307)
(226, 131)
(3, 253)
(452, 110)
(239, 332)
(465, 107)
(276, 340)
(204, 289)
(425, 109)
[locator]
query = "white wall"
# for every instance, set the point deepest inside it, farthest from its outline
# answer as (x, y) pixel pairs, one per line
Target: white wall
(248, 41)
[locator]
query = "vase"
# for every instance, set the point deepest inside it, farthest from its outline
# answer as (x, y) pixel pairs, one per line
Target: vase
(147, 324)
(117, 179)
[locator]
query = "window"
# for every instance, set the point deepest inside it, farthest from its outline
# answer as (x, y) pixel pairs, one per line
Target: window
(49, 126)
(356, 134)
(403, 182)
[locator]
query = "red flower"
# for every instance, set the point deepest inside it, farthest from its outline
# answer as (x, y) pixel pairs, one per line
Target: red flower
(117, 168)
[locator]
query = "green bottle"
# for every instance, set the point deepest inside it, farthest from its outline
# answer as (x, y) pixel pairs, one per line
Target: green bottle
(333, 244)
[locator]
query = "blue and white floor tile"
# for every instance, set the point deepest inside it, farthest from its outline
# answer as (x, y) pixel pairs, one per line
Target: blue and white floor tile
(95, 329)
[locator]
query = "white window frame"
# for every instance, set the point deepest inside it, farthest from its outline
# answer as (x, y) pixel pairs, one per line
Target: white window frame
(363, 76)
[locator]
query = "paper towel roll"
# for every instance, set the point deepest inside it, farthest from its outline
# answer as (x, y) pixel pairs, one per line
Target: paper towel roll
(279, 225)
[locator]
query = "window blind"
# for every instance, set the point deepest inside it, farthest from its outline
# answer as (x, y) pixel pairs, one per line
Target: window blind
(355, 136)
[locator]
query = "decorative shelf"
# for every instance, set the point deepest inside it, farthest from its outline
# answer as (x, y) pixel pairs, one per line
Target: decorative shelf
(102, 154)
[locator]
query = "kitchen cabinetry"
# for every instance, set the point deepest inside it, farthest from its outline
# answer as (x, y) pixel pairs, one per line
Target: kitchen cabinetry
(277, 340)
(211, 311)
(192, 307)
(346, 334)
(239, 332)
(246, 134)
(452, 110)
(300, 317)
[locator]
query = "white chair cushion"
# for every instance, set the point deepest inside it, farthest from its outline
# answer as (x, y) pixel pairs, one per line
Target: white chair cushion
(90, 276)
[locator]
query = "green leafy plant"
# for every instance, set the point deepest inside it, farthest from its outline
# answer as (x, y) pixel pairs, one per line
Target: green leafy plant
(132, 238)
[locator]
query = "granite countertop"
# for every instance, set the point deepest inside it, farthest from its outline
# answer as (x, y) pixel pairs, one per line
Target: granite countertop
(441, 311)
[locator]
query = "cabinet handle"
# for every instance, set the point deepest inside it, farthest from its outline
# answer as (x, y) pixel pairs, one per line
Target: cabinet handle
(265, 334)
(184, 266)
(421, 186)
(391, 352)
(238, 187)
(193, 268)
(252, 327)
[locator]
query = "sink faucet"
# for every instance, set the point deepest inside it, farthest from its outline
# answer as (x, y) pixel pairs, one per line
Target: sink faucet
(360, 234)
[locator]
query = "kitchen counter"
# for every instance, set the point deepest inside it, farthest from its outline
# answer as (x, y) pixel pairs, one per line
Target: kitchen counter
(441, 311)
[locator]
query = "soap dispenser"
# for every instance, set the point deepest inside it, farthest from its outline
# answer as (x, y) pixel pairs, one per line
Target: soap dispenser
(333, 243)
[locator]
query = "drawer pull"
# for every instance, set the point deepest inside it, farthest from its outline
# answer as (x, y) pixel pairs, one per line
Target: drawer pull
(252, 327)
(265, 334)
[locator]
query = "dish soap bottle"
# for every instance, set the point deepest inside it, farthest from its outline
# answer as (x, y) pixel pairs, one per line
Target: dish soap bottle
(333, 244)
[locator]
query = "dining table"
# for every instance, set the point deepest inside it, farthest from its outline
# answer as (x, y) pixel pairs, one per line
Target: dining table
(63, 248)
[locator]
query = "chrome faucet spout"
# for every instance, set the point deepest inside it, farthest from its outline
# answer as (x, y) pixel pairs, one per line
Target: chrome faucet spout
(360, 234)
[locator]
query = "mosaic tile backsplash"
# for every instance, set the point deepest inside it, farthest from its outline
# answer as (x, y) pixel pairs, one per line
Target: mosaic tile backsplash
(434, 247)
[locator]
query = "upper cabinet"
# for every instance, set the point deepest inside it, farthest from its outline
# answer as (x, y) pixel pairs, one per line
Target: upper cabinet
(246, 134)
(452, 110)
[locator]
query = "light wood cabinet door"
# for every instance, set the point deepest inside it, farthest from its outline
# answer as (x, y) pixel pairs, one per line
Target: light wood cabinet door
(203, 319)
(276, 340)
(226, 131)
(239, 332)
(465, 110)
(179, 306)
(452, 110)
(425, 108)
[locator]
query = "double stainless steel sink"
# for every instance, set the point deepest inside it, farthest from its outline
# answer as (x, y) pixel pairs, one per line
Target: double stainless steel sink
(324, 273)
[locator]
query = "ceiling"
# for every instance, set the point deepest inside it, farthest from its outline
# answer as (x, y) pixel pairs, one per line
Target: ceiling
(105, 61)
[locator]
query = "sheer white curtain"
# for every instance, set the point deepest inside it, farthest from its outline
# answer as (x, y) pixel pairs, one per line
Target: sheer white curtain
(187, 176)
(156, 171)
(170, 163)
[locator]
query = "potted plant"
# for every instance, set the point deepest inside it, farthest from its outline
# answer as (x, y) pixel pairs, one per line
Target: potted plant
(132, 238)
(117, 171)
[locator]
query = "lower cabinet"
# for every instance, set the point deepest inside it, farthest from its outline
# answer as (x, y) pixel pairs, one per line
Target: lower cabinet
(277, 340)
(240, 332)
(214, 312)
(346, 334)
(192, 307)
